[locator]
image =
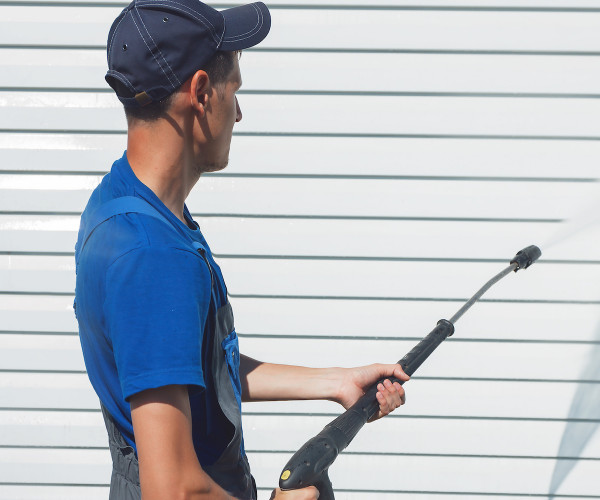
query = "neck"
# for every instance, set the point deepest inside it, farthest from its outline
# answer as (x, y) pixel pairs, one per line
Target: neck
(160, 159)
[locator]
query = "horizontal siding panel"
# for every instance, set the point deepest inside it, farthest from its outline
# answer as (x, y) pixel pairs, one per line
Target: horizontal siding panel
(419, 436)
(240, 236)
(265, 433)
(55, 466)
(62, 68)
(454, 359)
(60, 152)
(44, 239)
(420, 73)
(322, 278)
(451, 474)
(413, 279)
(338, 156)
(349, 318)
(54, 111)
(448, 30)
(53, 429)
(37, 313)
(47, 390)
(40, 352)
(439, 398)
(391, 239)
(381, 319)
(410, 280)
(326, 197)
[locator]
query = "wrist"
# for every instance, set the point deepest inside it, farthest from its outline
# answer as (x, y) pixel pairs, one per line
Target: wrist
(335, 378)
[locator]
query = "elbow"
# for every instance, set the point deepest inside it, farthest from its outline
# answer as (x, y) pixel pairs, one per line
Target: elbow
(199, 490)
(183, 490)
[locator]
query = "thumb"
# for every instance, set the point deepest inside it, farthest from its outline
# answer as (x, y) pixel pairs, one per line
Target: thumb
(394, 371)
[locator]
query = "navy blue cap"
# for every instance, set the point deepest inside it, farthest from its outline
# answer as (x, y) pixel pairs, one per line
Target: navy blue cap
(156, 45)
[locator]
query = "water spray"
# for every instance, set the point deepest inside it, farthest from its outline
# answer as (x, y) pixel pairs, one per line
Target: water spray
(310, 464)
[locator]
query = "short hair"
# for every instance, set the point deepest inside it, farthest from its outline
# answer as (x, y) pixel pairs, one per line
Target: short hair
(217, 69)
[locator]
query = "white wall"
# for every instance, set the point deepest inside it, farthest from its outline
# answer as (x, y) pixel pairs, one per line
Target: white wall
(391, 159)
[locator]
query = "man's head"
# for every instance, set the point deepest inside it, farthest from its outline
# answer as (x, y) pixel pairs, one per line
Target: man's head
(175, 62)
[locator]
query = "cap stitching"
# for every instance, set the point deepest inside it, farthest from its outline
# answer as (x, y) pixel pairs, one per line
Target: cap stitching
(182, 8)
(252, 31)
(112, 38)
(157, 49)
(150, 50)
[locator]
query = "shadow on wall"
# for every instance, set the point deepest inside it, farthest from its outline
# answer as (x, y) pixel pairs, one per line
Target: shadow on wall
(585, 406)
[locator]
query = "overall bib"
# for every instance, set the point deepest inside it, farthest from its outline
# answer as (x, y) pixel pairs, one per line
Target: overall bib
(231, 471)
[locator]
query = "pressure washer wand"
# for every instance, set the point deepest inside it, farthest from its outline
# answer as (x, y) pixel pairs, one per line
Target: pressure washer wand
(310, 464)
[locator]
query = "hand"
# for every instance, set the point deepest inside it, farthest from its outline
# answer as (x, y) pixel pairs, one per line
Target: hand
(310, 493)
(355, 381)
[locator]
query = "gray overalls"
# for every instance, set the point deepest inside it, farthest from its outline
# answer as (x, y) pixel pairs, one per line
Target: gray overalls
(231, 471)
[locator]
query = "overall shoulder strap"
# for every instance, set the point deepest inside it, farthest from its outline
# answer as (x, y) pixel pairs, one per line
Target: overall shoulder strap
(117, 206)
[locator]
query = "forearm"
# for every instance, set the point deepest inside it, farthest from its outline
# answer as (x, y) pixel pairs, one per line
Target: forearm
(275, 382)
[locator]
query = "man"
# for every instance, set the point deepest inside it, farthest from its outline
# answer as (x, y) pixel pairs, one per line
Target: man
(155, 324)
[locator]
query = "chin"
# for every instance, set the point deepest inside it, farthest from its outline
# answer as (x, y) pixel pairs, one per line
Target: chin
(212, 167)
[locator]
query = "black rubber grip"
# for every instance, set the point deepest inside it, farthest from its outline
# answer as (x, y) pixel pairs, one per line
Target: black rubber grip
(311, 462)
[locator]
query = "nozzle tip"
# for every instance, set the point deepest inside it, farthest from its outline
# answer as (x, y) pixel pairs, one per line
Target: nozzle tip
(526, 257)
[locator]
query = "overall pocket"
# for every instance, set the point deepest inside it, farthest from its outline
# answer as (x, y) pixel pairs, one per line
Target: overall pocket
(231, 349)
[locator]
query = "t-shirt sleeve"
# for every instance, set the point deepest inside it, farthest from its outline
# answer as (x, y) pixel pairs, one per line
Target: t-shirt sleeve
(156, 306)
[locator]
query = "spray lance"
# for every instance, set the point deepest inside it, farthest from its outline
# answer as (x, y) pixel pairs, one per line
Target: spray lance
(310, 464)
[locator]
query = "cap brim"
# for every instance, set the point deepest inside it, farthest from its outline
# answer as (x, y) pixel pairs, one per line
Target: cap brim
(245, 26)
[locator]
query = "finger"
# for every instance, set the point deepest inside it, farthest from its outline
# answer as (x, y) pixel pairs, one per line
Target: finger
(393, 397)
(308, 493)
(399, 373)
(392, 371)
(383, 405)
(401, 392)
(390, 399)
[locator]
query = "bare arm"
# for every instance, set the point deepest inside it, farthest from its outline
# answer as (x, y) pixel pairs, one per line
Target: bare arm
(169, 467)
(275, 382)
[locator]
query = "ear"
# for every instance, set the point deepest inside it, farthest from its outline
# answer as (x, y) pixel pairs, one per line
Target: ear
(199, 88)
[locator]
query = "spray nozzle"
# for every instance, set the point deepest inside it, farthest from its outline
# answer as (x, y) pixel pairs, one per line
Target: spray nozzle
(526, 257)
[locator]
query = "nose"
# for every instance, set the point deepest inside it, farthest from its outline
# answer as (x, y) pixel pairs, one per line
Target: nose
(238, 110)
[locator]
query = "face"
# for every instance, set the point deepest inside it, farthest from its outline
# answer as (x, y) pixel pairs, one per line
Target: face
(222, 113)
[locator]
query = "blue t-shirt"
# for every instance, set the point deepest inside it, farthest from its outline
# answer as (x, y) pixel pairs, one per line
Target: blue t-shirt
(143, 303)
